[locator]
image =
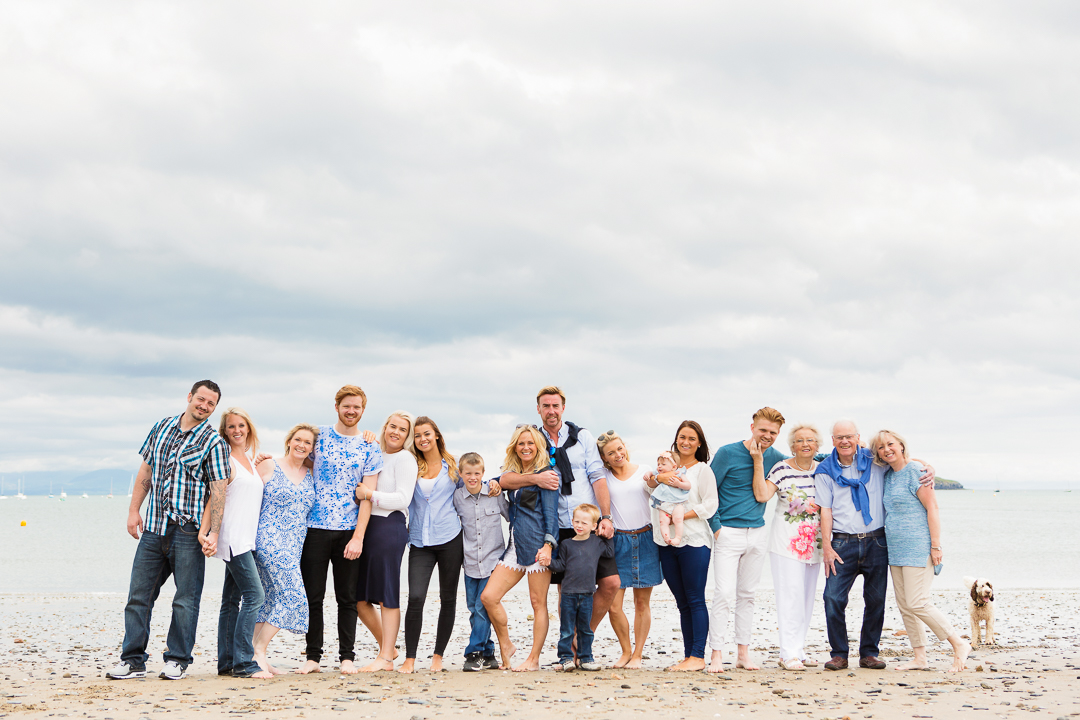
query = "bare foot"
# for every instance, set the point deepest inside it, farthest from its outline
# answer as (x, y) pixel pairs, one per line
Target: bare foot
(913, 665)
(263, 675)
(747, 664)
(407, 666)
(505, 664)
(378, 664)
(634, 664)
(622, 662)
(309, 667)
(262, 662)
(960, 658)
(690, 664)
(348, 668)
(275, 670)
(529, 665)
(716, 663)
(436, 663)
(667, 538)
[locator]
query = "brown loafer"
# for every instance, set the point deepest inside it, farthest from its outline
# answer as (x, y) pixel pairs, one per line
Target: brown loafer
(837, 663)
(871, 662)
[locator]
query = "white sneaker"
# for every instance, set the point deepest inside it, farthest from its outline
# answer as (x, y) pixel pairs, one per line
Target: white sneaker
(123, 671)
(172, 671)
(590, 666)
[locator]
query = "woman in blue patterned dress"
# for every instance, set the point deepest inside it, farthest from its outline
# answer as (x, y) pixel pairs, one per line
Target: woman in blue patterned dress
(288, 495)
(913, 534)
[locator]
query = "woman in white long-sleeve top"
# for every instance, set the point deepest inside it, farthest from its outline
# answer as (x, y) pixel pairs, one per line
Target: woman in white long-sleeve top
(385, 513)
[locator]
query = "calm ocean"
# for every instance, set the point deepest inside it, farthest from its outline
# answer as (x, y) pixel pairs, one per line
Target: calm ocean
(1018, 539)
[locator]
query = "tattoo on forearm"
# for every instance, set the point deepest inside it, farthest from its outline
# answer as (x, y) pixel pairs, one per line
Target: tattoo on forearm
(146, 484)
(217, 503)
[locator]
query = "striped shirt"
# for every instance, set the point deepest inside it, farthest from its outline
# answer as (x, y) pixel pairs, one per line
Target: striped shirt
(181, 465)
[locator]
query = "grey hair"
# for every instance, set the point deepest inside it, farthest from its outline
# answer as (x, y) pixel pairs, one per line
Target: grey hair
(802, 426)
(843, 421)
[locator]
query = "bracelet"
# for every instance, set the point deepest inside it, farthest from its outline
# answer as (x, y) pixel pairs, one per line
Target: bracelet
(935, 547)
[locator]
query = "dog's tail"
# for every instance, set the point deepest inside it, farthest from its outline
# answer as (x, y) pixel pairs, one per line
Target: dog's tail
(968, 581)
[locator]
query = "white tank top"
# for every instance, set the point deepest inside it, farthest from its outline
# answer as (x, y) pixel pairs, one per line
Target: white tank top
(240, 522)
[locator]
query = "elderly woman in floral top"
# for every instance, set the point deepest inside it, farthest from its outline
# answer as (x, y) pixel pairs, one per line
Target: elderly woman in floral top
(795, 544)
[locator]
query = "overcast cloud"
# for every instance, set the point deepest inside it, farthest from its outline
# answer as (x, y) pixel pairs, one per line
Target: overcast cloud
(671, 210)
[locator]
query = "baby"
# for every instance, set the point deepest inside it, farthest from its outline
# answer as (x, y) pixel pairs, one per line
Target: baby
(670, 500)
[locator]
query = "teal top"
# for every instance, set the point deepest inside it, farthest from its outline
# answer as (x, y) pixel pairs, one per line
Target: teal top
(906, 528)
(733, 467)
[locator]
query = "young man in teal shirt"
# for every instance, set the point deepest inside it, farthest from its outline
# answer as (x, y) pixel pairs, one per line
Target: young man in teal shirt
(740, 539)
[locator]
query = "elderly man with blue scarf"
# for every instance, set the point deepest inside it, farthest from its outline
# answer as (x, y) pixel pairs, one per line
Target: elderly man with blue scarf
(849, 487)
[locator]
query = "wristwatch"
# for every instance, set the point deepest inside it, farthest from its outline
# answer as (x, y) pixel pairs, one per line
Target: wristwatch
(605, 517)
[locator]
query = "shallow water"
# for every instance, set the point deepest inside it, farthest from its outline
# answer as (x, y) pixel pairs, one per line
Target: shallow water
(1018, 539)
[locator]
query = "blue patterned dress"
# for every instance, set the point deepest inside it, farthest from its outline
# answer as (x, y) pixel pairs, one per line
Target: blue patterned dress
(282, 528)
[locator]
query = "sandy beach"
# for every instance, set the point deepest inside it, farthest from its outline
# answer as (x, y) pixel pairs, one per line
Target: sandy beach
(55, 649)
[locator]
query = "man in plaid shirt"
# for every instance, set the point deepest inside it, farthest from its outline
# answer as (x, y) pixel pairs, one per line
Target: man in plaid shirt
(184, 459)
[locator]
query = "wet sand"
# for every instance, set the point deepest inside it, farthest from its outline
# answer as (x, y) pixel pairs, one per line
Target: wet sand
(54, 650)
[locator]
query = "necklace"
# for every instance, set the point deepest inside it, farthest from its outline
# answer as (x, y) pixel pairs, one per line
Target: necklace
(804, 469)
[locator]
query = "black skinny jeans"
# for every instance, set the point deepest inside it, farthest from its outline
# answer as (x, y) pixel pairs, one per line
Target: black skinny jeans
(422, 560)
(321, 549)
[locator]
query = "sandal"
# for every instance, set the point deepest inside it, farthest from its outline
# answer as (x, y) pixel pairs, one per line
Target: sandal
(795, 664)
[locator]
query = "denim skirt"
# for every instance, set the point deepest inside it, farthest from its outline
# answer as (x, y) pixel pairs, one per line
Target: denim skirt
(638, 558)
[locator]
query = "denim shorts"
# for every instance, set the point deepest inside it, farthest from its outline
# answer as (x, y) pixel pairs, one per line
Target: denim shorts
(638, 558)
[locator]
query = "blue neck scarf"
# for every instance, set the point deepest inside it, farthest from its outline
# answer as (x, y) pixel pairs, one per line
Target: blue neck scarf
(864, 462)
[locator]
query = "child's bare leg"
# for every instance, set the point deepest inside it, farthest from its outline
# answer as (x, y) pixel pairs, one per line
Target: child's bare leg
(677, 513)
(665, 522)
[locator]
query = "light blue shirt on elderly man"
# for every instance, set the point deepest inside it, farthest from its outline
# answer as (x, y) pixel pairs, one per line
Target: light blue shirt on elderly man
(846, 519)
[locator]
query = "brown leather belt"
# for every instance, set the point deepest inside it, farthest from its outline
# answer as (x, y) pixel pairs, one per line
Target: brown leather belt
(647, 528)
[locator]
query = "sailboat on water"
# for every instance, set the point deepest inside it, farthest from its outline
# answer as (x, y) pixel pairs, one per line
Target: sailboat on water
(110, 489)
(63, 495)
(21, 495)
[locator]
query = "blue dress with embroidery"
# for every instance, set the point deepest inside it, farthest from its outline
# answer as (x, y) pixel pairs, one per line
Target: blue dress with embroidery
(283, 522)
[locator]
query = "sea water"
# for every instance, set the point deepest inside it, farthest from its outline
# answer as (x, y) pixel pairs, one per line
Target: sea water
(1018, 539)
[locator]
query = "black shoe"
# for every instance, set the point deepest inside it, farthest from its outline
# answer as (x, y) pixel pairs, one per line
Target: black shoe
(473, 663)
(491, 662)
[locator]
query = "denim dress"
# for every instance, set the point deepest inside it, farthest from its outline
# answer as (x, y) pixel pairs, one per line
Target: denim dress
(534, 520)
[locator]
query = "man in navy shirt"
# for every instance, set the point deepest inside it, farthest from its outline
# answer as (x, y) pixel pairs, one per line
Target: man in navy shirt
(740, 539)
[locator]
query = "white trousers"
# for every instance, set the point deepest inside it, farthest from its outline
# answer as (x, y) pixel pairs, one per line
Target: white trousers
(795, 583)
(911, 586)
(738, 554)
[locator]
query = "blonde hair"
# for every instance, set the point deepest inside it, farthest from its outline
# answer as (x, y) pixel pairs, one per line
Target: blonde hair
(408, 438)
(297, 428)
(802, 426)
(252, 445)
(604, 440)
(421, 463)
(590, 509)
(550, 390)
(770, 414)
(471, 458)
(350, 391)
(542, 461)
(878, 441)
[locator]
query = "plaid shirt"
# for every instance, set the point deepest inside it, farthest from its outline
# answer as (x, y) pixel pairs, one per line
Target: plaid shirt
(181, 465)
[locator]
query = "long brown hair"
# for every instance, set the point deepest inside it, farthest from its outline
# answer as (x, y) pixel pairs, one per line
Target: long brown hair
(421, 463)
(702, 454)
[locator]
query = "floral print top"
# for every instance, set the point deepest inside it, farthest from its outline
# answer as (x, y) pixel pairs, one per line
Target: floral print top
(796, 527)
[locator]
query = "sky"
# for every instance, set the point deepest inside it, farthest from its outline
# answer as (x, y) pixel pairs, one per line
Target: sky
(671, 210)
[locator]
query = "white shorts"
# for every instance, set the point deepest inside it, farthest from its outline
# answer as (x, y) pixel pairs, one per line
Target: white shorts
(509, 560)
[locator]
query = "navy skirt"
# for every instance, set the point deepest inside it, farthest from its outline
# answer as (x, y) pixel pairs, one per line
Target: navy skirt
(379, 581)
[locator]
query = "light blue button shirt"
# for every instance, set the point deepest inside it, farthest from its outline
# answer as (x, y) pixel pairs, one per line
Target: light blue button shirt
(846, 519)
(433, 520)
(588, 468)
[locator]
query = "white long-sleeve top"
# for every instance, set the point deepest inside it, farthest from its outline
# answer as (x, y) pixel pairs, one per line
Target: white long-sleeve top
(397, 480)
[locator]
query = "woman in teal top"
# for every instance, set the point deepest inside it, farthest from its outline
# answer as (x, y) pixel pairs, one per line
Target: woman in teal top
(913, 533)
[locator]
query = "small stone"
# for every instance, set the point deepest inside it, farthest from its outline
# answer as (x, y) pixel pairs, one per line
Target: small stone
(978, 668)
(67, 675)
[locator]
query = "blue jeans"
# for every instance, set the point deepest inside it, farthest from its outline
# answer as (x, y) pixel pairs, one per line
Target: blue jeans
(575, 613)
(177, 553)
(685, 570)
(869, 557)
(480, 639)
(241, 598)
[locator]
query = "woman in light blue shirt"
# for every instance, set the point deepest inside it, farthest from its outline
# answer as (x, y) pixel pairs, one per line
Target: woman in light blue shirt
(434, 539)
(913, 534)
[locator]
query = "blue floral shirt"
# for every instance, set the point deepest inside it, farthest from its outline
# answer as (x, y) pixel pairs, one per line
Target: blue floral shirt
(341, 462)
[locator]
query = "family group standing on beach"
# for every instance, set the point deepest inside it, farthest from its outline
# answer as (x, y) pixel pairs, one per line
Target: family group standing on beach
(581, 516)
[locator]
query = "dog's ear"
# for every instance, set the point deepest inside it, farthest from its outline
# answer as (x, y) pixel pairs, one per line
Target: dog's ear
(991, 589)
(974, 595)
